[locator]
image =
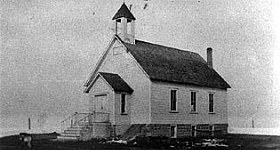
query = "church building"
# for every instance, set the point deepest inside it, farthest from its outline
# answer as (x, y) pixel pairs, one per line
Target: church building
(141, 88)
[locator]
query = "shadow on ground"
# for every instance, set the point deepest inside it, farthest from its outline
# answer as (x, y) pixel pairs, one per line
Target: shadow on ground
(49, 142)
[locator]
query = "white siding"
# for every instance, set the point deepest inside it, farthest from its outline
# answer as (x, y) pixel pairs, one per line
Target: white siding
(121, 118)
(101, 130)
(127, 68)
(160, 104)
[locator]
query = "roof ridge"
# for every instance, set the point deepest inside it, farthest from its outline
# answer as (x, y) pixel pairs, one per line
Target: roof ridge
(165, 46)
(107, 73)
(191, 53)
(175, 65)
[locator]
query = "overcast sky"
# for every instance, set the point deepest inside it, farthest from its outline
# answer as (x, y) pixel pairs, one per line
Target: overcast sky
(49, 48)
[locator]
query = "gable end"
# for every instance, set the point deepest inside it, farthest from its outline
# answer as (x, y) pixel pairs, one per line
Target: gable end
(100, 61)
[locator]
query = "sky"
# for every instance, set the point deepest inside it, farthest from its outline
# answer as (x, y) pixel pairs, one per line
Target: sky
(49, 49)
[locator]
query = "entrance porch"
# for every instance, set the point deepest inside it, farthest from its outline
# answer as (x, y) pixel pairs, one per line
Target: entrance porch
(84, 126)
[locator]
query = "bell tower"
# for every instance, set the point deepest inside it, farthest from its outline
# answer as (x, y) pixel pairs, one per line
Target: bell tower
(125, 24)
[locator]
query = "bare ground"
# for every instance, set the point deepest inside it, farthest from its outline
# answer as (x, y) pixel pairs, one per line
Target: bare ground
(48, 142)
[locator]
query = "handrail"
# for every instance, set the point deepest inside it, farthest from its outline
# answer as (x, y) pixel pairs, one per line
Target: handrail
(88, 115)
(70, 117)
(84, 117)
(65, 120)
(99, 112)
(77, 118)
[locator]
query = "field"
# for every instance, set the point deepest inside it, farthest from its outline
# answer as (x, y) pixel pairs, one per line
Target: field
(49, 142)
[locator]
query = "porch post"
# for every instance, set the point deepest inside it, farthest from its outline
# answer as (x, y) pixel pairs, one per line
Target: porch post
(75, 118)
(94, 116)
(90, 118)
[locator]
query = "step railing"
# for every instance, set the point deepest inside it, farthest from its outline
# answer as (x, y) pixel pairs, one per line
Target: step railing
(66, 122)
(84, 119)
(72, 121)
(99, 117)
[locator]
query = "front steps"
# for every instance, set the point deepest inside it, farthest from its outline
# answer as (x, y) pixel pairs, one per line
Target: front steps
(99, 130)
(71, 133)
(86, 132)
(85, 126)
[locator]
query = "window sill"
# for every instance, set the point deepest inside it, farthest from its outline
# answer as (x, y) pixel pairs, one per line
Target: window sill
(173, 111)
(211, 113)
(193, 112)
(124, 114)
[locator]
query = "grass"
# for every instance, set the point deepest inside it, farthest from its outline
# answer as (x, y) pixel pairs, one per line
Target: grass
(47, 142)
(252, 142)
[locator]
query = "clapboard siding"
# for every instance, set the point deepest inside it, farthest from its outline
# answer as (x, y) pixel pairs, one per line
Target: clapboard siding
(160, 105)
(122, 122)
(122, 118)
(123, 64)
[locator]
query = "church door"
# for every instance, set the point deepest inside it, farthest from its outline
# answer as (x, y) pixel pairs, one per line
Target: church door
(101, 103)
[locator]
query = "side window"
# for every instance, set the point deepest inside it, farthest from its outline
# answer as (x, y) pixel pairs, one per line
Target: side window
(193, 101)
(173, 131)
(211, 102)
(211, 129)
(193, 130)
(123, 103)
(173, 100)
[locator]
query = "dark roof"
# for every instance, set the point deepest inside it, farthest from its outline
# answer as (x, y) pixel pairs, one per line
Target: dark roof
(116, 82)
(124, 12)
(168, 64)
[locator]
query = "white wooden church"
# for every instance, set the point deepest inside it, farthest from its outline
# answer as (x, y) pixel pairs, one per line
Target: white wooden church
(141, 88)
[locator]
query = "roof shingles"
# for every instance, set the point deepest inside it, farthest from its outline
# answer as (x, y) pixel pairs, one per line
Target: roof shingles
(173, 65)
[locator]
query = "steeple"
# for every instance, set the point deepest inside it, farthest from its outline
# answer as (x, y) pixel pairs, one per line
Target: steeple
(125, 24)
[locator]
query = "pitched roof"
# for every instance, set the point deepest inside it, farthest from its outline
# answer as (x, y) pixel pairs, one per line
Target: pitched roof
(124, 12)
(168, 64)
(116, 82)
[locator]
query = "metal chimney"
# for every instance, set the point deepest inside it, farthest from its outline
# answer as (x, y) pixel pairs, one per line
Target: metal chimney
(209, 57)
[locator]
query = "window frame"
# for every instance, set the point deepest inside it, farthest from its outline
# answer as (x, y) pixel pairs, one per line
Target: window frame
(123, 105)
(117, 50)
(211, 129)
(173, 133)
(193, 106)
(193, 130)
(173, 99)
(211, 103)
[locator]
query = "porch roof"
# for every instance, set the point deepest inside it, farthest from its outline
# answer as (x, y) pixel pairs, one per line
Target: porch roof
(116, 82)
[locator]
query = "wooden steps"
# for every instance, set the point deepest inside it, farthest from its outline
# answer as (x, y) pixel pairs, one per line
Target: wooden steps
(71, 133)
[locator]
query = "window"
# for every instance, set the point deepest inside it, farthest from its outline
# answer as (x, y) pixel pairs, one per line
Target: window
(173, 131)
(173, 104)
(129, 26)
(117, 50)
(211, 129)
(211, 102)
(193, 131)
(193, 101)
(123, 104)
